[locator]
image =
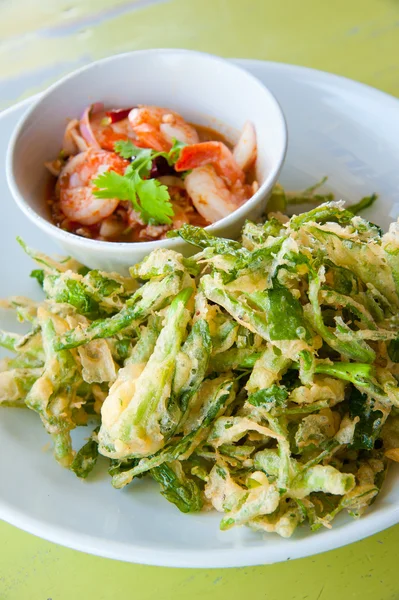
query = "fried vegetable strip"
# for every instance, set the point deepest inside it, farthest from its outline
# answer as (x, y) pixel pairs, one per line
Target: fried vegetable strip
(259, 377)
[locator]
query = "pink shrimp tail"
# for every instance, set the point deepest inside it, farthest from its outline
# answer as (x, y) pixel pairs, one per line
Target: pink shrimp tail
(210, 153)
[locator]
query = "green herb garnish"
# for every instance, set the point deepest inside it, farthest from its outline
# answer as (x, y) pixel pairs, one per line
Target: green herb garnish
(149, 197)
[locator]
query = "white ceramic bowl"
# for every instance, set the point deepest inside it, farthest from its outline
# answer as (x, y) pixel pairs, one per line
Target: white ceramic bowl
(205, 89)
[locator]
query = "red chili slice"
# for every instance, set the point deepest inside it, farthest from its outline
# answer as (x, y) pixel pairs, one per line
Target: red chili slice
(118, 114)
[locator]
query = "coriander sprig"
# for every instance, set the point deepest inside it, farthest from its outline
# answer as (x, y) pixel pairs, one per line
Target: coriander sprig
(149, 197)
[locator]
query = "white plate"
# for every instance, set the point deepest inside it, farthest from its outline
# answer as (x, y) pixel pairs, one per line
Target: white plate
(336, 127)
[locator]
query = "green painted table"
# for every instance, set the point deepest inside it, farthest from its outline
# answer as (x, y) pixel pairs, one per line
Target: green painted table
(42, 40)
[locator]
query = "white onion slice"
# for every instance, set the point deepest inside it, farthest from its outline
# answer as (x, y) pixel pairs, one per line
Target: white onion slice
(112, 228)
(85, 126)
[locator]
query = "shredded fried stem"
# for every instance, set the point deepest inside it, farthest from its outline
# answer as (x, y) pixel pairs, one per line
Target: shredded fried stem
(258, 377)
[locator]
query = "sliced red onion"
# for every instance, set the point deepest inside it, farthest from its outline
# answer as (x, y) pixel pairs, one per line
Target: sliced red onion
(118, 114)
(85, 127)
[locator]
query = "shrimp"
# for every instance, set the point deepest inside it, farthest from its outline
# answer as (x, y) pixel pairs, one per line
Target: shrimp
(216, 154)
(156, 127)
(107, 133)
(99, 131)
(216, 183)
(76, 189)
(209, 194)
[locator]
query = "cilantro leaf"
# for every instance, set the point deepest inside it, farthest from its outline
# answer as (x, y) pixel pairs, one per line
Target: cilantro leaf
(127, 149)
(149, 198)
(154, 202)
(141, 158)
(173, 155)
(113, 185)
(140, 166)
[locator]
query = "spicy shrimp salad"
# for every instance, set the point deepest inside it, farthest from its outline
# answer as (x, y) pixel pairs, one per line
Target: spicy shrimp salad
(132, 175)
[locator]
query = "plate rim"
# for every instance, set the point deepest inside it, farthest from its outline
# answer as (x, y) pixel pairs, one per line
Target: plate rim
(227, 557)
(317, 73)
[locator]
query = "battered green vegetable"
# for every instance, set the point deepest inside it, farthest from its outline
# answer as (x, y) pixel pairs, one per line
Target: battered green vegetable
(259, 377)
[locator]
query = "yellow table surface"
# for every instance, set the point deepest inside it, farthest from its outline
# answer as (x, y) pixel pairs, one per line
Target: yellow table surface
(42, 40)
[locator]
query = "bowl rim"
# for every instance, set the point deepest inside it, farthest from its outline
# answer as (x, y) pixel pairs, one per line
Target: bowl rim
(116, 247)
